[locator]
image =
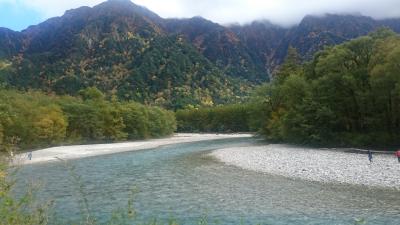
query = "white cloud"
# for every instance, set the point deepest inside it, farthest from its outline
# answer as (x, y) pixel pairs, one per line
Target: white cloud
(51, 8)
(279, 11)
(283, 12)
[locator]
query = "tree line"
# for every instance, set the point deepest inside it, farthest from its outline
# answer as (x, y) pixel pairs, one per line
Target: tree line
(34, 119)
(347, 95)
(222, 119)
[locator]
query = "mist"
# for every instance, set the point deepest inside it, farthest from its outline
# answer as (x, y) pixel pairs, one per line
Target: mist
(281, 12)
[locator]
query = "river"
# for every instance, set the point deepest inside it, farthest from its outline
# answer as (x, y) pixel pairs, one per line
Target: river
(183, 183)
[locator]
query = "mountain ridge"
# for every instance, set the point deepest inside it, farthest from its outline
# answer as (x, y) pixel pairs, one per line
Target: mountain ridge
(128, 50)
(194, 30)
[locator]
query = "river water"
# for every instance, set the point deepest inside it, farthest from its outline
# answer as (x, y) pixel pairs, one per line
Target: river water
(181, 182)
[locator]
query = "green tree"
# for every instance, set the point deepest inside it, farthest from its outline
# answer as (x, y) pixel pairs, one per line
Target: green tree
(161, 122)
(385, 83)
(227, 118)
(112, 122)
(50, 125)
(291, 65)
(38, 120)
(347, 95)
(91, 93)
(85, 122)
(136, 120)
(1, 135)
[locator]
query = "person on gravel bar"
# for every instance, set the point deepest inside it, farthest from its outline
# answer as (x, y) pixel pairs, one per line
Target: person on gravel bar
(370, 156)
(398, 155)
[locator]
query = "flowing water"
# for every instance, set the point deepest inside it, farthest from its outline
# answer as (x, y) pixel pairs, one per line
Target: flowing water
(181, 182)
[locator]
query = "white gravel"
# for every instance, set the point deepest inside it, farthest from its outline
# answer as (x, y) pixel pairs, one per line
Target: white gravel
(81, 151)
(322, 165)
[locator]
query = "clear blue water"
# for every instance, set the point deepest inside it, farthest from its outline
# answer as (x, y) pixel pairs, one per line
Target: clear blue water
(182, 182)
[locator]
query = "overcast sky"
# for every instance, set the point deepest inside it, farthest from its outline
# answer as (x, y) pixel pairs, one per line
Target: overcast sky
(18, 14)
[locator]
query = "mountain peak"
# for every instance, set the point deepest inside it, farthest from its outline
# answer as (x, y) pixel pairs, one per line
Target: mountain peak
(121, 7)
(335, 17)
(120, 1)
(122, 4)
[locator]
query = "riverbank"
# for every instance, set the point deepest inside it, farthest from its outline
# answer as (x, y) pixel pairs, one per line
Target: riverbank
(81, 151)
(321, 165)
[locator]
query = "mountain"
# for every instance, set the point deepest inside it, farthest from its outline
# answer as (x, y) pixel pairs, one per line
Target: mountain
(261, 39)
(312, 34)
(10, 42)
(253, 51)
(126, 50)
(121, 48)
(221, 46)
(315, 32)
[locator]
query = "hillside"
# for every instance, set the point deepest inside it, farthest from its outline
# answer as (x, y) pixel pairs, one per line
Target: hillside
(121, 48)
(128, 51)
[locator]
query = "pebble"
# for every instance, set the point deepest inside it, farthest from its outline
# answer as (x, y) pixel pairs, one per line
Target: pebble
(321, 165)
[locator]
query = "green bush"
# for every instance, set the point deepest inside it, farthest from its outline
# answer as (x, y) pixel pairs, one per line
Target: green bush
(40, 120)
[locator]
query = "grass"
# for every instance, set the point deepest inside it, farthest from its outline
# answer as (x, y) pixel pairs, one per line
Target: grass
(24, 210)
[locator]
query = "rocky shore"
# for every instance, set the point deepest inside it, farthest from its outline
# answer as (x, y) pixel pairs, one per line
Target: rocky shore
(322, 165)
(81, 151)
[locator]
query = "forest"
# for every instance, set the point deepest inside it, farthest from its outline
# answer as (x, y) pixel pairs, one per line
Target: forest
(163, 71)
(221, 119)
(33, 119)
(347, 95)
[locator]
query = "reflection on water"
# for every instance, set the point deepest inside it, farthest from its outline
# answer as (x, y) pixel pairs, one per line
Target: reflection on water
(182, 182)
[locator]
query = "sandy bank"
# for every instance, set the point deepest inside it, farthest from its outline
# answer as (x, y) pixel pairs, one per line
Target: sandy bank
(80, 151)
(316, 164)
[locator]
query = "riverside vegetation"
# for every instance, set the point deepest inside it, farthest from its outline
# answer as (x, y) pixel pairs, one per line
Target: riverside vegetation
(34, 119)
(347, 95)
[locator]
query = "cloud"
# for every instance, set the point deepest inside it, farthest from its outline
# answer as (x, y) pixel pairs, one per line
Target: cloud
(284, 12)
(51, 8)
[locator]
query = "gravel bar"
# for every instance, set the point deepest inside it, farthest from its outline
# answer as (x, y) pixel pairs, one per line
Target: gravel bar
(82, 151)
(321, 165)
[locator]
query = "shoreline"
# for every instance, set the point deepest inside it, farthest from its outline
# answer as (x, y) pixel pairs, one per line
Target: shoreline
(82, 151)
(317, 165)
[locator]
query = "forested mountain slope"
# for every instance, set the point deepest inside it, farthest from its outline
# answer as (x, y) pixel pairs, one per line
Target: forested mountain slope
(348, 95)
(130, 52)
(120, 48)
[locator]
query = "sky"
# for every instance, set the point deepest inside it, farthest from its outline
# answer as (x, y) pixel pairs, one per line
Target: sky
(19, 14)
